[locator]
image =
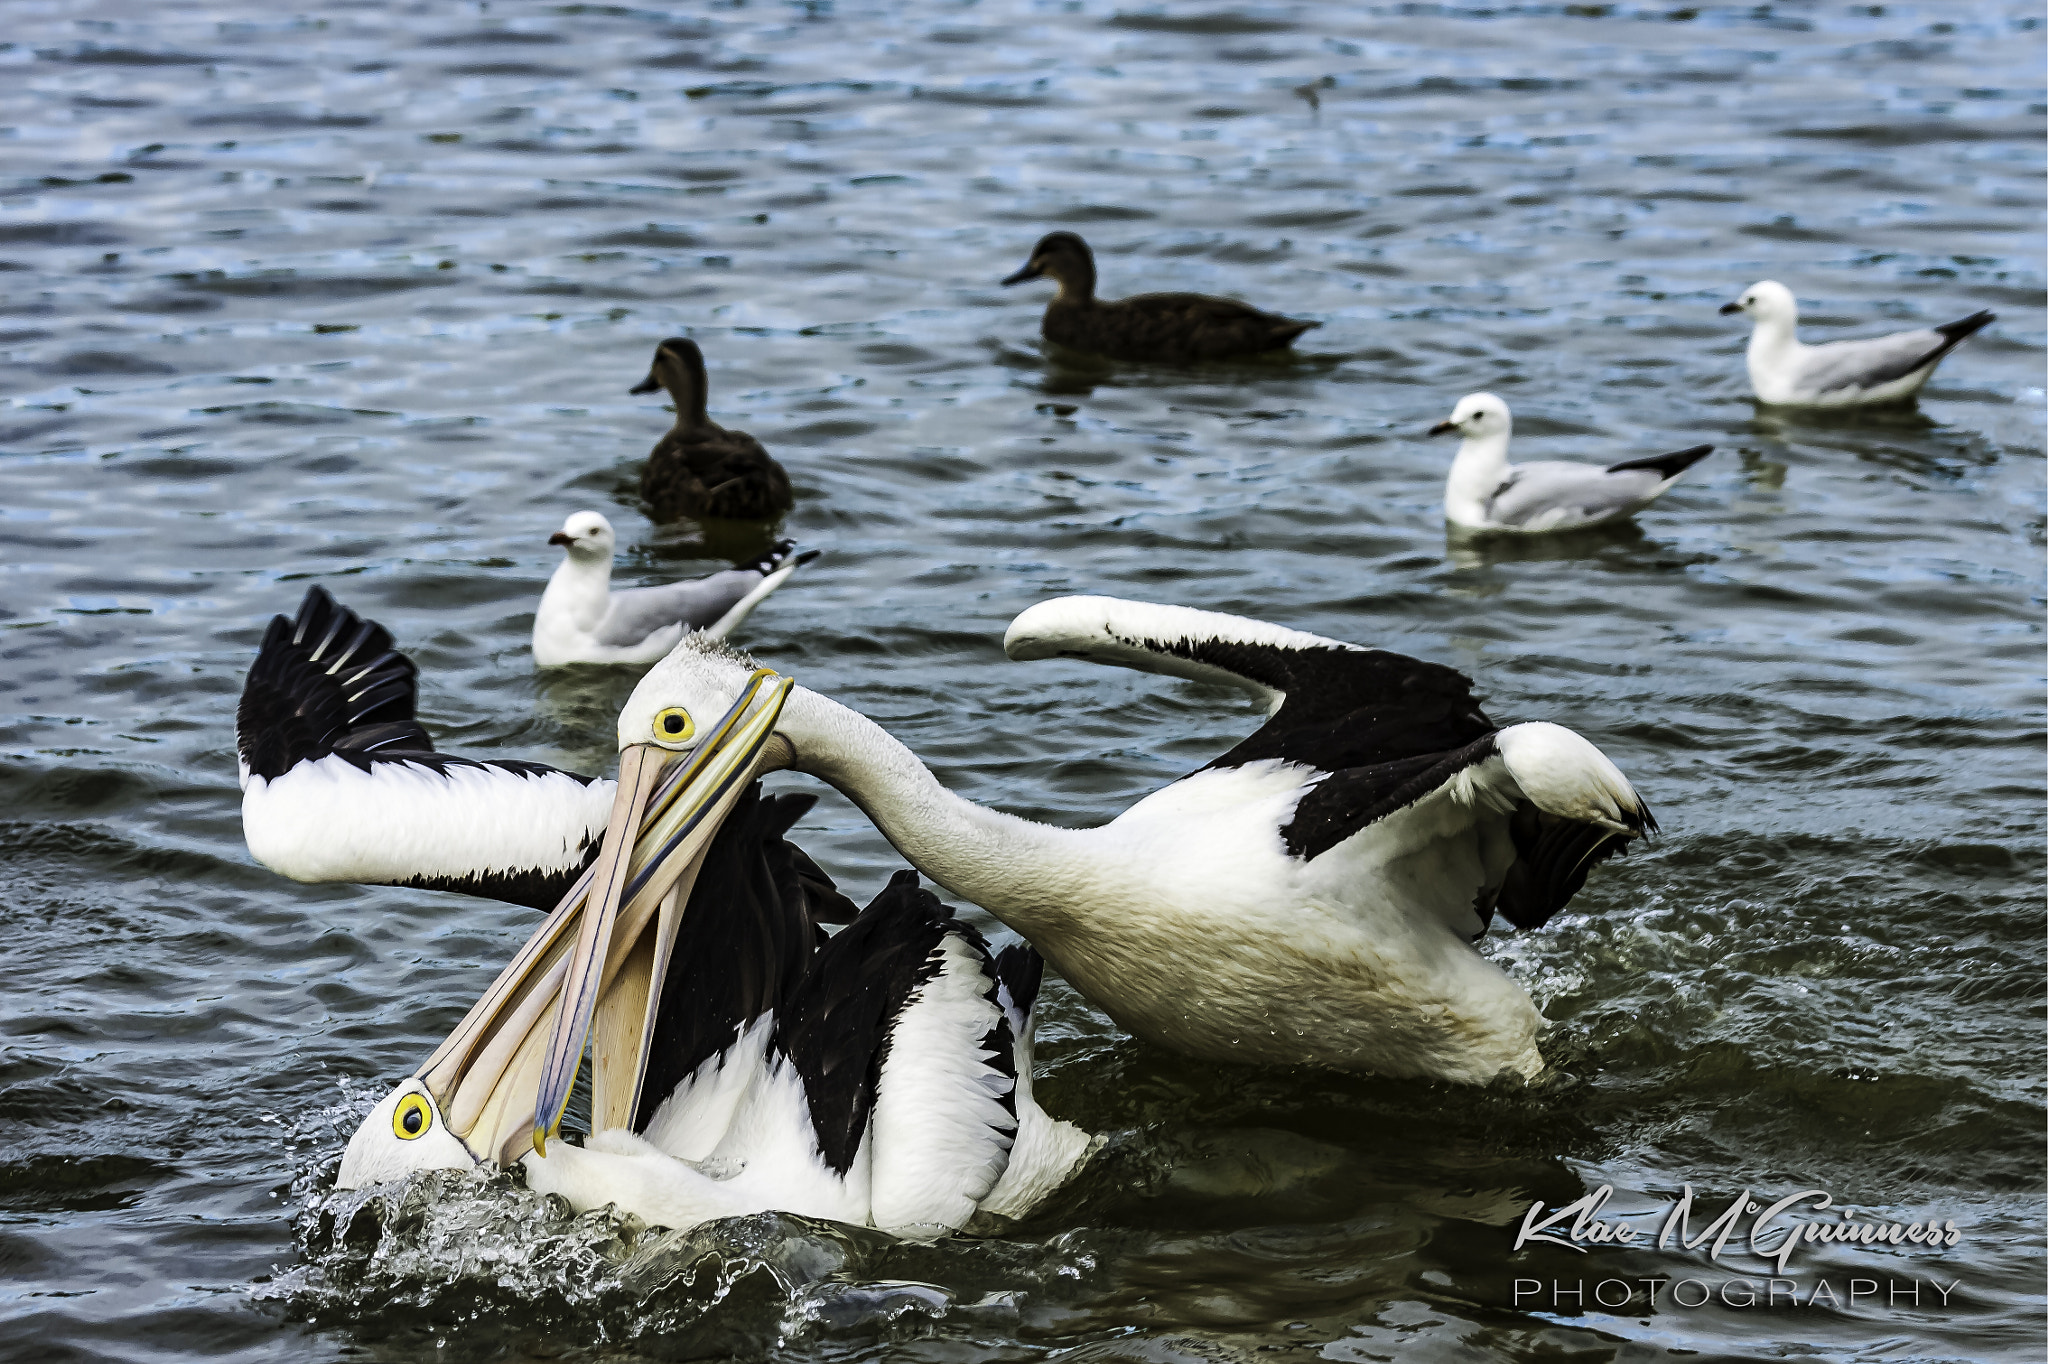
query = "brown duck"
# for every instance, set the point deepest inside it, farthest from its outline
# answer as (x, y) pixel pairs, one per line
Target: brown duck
(699, 468)
(1146, 326)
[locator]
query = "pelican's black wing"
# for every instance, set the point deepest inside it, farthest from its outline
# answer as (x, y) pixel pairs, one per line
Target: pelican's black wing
(884, 984)
(341, 783)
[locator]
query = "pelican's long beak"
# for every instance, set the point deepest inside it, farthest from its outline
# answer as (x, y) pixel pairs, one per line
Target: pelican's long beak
(503, 1077)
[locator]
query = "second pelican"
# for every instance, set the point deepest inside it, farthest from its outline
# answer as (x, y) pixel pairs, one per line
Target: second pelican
(1312, 896)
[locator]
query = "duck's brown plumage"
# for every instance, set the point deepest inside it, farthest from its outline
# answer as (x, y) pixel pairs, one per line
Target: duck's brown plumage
(1146, 326)
(699, 468)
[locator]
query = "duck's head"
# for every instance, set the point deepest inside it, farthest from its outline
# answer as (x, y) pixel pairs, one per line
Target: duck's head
(1063, 257)
(678, 367)
(693, 734)
(586, 535)
(1765, 301)
(1476, 415)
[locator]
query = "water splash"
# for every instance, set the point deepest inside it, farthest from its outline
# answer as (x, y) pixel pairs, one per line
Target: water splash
(476, 1262)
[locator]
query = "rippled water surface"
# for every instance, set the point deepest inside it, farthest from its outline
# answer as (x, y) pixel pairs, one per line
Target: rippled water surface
(353, 294)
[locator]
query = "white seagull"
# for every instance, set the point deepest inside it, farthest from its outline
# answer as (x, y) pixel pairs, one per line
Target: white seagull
(741, 1061)
(582, 619)
(1485, 492)
(1784, 370)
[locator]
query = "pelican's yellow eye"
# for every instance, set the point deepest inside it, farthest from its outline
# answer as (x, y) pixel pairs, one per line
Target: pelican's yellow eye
(674, 726)
(412, 1117)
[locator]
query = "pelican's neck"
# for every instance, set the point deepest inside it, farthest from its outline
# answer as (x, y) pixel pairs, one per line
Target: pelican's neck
(1476, 474)
(580, 590)
(1029, 875)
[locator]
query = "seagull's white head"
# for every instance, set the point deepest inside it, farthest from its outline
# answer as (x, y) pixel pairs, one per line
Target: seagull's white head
(1477, 415)
(403, 1134)
(1766, 302)
(586, 535)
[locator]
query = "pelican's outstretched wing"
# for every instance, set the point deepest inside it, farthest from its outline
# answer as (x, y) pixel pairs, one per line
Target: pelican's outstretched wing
(1378, 732)
(1331, 705)
(340, 782)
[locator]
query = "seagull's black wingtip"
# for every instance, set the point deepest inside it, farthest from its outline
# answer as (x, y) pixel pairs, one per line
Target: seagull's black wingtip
(1964, 326)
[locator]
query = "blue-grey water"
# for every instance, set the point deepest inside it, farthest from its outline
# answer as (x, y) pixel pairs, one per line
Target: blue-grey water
(352, 294)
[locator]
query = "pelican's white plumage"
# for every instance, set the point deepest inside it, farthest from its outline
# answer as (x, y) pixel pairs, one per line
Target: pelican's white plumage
(1485, 492)
(421, 819)
(1310, 897)
(341, 783)
(1785, 371)
(582, 618)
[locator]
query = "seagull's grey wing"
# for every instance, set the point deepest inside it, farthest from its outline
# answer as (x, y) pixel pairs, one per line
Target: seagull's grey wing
(1871, 363)
(637, 612)
(1585, 491)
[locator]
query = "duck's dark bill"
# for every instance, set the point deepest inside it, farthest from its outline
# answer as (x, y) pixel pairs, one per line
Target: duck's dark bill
(592, 970)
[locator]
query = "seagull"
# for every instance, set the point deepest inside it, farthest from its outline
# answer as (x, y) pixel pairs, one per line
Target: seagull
(1784, 370)
(744, 1061)
(582, 619)
(1485, 492)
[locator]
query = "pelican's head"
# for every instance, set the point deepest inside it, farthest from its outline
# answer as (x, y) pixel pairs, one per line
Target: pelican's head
(404, 1133)
(1766, 301)
(1476, 415)
(586, 535)
(696, 683)
(691, 737)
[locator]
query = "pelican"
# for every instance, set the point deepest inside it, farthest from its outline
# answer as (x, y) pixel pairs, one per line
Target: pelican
(740, 1061)
(1311, 897)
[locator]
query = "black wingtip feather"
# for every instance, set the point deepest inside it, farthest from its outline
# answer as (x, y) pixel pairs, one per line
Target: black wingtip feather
(1022, 971)
(1670, 466)
(325, 681)
(1553, 857)
(1963, 326)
